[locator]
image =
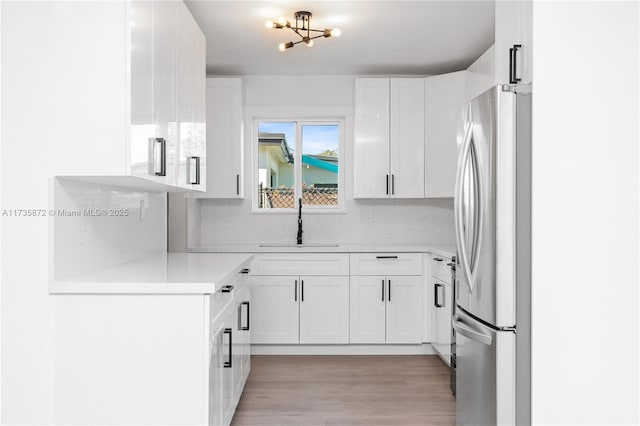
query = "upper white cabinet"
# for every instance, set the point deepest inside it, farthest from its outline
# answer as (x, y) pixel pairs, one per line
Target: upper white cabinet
(224, 138)
(445, 96)
(389, 138)
(513, 37)
(190, 102)
(126, 79)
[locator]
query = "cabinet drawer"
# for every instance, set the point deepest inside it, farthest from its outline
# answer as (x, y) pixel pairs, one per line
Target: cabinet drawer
(220, 300)
(300, 264)
(440, 268)
(386, 264)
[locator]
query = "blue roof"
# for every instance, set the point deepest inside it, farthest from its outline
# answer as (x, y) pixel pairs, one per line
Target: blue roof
(325, 165)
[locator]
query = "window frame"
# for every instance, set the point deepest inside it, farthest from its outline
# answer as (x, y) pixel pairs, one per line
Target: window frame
(297, 147)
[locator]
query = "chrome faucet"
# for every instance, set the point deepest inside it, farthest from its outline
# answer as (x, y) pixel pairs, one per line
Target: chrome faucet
(299, 221)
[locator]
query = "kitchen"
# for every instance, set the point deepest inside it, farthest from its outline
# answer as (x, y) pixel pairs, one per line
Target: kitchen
(63, 112)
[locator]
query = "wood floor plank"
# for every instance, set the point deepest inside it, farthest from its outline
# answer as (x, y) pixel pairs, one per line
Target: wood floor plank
(346, 390)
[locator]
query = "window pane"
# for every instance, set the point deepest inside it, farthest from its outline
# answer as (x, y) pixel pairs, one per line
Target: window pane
(320, 164)
(276, 173)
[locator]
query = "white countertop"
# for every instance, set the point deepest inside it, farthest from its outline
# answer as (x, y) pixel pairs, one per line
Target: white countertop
(168, 273)
(439, 249)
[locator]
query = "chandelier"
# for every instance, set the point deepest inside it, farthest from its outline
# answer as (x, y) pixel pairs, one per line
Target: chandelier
(302, 29)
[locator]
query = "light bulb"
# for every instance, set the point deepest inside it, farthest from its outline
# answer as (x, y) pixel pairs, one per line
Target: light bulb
(335, 32)
(282, 20)
(282, 47)
(309, 43)
(268, 24)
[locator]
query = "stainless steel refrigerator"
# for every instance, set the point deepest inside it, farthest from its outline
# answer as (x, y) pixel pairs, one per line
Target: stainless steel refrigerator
(492, 202)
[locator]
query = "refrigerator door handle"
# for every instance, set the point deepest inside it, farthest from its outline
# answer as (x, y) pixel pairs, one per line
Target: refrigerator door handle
(462, 165)
(470, 333)
(478, 193)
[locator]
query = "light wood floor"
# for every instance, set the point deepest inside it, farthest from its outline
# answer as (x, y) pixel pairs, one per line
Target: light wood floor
(346, 390)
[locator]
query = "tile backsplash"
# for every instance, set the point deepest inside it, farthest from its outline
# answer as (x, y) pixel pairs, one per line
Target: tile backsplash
(96, 226)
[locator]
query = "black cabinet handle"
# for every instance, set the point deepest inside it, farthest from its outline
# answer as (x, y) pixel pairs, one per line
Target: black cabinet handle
(389, 281)
(245, 271)
(513, 57)
(437, 259)
(386, 257)
(227, 289)
(240, 326)
(436, 295)
(393, 184)
(383, 290)
(237, 184)
(157, 151)
(295, 291)
(387, 184)
(193, 170)
(227, 364)
(451, 264)
(302, 290)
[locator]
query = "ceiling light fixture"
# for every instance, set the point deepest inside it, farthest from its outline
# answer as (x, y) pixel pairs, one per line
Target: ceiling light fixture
(302, 28)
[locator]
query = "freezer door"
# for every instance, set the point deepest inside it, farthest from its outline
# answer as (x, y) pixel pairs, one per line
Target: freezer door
(484, 206)
(485, 376)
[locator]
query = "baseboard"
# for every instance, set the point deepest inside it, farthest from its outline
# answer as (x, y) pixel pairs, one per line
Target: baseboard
(423, 349)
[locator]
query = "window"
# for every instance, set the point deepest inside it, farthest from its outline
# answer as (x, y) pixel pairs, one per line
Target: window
(299, 159)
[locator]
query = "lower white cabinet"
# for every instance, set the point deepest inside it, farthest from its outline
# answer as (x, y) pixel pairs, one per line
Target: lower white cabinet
(300, 309)
(230, 352)
(386, 309)
(324, 310)
(442, 288)
(149, 359)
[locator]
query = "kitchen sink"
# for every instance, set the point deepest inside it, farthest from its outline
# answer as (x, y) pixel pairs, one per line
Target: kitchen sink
(318, 245)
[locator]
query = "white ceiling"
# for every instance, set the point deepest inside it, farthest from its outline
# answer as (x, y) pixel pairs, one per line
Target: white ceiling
(378, 37)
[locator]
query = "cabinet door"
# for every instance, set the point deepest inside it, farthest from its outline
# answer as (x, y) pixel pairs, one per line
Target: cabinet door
(188, 75)
(324, 309)
(164, 85)
(243, 312)
(404, 309)
(445, 96)
(367, 309)
(371, 142)
(513, 26)
(224, 138)
(274, 309)
(142, 115)
(407, 138)
(216, 367)
(228, 376)
(443, 319)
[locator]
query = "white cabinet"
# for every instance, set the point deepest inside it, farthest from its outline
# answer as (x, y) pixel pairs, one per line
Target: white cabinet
(324, 310)
(300, 309)
(368, 309)
(513, 36)
(308, 303)
(125, 79)
(445, 96)
(389, 138)
(443, 306)
(190, 102)
(275, 309)
(224, 138)
(386, 308)
(229, 345)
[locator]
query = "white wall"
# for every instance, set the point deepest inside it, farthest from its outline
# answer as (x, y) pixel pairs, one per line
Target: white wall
(585, 213)
(366, 221)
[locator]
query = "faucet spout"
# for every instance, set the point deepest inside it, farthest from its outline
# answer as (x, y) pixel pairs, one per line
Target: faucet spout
(299, 221)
